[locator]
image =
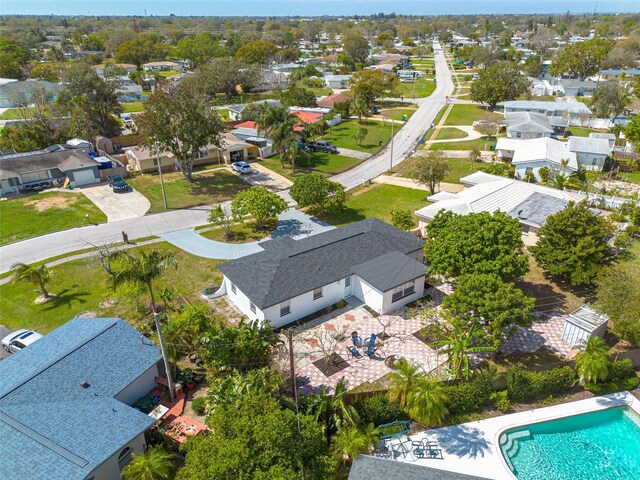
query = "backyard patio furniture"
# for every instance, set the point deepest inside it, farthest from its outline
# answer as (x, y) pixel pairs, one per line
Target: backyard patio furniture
(356, 340)
(354, 351)
(418, 449)
(431, 449)
(370, 351)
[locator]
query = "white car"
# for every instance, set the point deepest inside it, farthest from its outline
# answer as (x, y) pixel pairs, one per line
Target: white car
(16, 341)
(241, 167)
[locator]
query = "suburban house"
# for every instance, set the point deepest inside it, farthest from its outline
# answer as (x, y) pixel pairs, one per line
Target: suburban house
(529, 156)
(127, 67)
(57, 162)
(16, 93)
(576, 87)
(530, 203)
(575, 113)
(332, 100)
(533, 125)
(128, 90)
(65, 402)
(234, 150)
(235, 111)
(370, 262)
(337, 81)
(164, 66)
(248, 132)
(611, 138)
(591, 152)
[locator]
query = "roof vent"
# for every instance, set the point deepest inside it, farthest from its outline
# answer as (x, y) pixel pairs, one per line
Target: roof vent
(85, 384)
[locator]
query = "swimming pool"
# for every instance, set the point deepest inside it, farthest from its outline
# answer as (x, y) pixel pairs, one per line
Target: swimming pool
(603, 445)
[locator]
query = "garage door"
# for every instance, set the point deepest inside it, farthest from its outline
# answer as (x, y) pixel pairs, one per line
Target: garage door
(84, 177)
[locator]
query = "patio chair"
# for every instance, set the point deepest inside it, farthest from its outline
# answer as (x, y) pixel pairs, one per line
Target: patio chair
(371, 350)
(431, 449)
(371, 341)
(356, 340)
(418, 449)
(354, 351)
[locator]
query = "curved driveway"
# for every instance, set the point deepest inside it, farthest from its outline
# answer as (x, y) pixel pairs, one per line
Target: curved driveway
(405, 142)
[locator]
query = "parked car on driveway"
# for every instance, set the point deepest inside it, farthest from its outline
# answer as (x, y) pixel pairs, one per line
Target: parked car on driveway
(117, 183)
(322, 146)
(16, 341)
(241, 167)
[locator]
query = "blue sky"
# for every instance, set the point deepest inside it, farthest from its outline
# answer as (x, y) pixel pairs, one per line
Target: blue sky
(307, 7)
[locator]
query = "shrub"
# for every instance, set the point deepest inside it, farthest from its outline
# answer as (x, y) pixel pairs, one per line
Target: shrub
(467, 396)
(621, 370)
(378, 409)
(199, 405)
(500, 400)
(518, 384)
(523, 384)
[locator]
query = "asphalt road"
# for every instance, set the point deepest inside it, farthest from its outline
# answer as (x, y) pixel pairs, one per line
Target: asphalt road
(406, 140)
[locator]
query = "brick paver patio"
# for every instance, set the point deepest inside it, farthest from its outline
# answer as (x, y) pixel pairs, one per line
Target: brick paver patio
(545, 332)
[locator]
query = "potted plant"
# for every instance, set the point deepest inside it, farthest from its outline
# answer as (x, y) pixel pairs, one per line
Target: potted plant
(189, 382)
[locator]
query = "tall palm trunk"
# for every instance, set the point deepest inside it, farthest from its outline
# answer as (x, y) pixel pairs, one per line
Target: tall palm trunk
(163, 349)
(43, 289)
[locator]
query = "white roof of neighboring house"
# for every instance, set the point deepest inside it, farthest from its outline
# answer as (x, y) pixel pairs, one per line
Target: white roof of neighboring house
(160, 64)
(528, 122)
(538, 149)
(490, 194)
(571, 107)
(598, 146)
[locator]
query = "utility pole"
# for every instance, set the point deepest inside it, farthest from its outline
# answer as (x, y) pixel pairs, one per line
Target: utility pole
(293, 375)
(167, 367)
(164, 195)
(391, 156)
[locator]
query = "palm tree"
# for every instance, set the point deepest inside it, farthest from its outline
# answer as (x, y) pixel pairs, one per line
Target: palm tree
(333, 410)
(277, 124)
(359, 107)
(458, 343)
(156, 464)
(592, 363)
(315, 128)
(403, 380)
(39, 276)
(349, 442)
(560, 180)
(426, 402)
(291, 150)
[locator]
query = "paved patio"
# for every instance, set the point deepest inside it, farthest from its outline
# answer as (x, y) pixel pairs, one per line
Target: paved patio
(545, 332)
(332, 334)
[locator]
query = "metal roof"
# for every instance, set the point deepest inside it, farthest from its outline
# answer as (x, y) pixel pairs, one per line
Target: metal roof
(587, 318)
(528, 122)
(571, 107)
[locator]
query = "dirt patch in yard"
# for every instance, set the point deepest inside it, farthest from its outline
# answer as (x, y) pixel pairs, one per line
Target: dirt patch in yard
(44, 204)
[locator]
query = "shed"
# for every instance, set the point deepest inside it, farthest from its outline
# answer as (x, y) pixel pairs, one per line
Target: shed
(582, 324)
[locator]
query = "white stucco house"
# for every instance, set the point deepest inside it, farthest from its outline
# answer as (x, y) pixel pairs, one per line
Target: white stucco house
(66, 402)
(378, 264)
(529, 156)
(575, 113)
(591, 152)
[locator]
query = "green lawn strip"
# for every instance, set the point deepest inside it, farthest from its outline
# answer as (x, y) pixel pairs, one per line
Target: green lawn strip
(325, 163)
(423, 88)
(382, 104)
(81, 285)
(581, 132)
(458, 168)
(467, 114)
(130, 107)
(439, 116)
(10, 114)
(466, 145)
(633, 177)
(168, 73)
(26, 217)
(377, 135)
(207, 188)
(397, 113)
(378, 201)
(448, 133)
(241, 233)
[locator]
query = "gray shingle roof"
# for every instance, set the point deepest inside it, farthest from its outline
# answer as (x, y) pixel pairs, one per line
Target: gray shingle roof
(536, 208)
(373, 468)
(69, 430)
(64, 159)
(389, 271)
(288, 268)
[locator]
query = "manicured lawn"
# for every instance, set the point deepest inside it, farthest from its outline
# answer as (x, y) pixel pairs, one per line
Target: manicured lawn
(448, 133)
(130, 107)
(342, 135)
(81, 286)
(378, 201)
(37, 214)
(10, 114)
(168, 73)
(581, 132)
(223, 112)
(324, 163)
(241, 233)
(207, 188)
(467, 145)
(397, 113)
(423, 88)
(439, 116)
(458, 168)
(467, 114)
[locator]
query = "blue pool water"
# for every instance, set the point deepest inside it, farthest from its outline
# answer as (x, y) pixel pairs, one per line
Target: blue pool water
(603, 445)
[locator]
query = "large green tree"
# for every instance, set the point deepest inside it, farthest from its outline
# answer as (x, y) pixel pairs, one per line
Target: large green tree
(581, 59)
(499, 82)
(475, 243)
(258, 439)
(618, 293)
(573, 244)
(427, 402)
(200, 48)
(609, 98)
(430, 169)
(318, 192)
(356, 47)
(225, 75)
(146, 47)
(257, 52)
(14, 58)
(373, 84)
(179, 119)
(259, 203)
(632, 132)
(298, 97)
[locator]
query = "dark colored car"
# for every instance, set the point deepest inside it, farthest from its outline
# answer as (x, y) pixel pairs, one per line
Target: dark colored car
(117, 183)
(322, 146)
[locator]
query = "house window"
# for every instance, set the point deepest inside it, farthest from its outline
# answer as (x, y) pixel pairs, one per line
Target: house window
(402, 291)
(347, 282)
(317, 293)
(528, 170)
(124, 458)
(252, 307)
(285, 308)
(233, 288)
(202, 153)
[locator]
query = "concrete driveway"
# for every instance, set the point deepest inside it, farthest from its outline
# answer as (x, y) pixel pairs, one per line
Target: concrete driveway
(117, 206)
(4, 331)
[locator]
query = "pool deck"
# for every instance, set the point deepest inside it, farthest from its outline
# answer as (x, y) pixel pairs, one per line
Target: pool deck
(473, 448)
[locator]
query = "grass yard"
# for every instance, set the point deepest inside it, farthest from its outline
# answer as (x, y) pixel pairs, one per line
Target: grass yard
(467, 145)
(449, 133)
(241, 232)
(378, 201)
(467, 114)
(131, 107)
(582, 132)
(397, 113)
(324, 163)
(82, 286)
(458, 168)
(377, 134)
(41, 213)
(10, 114)
(207, 188)
(168, 73)
(423, 88)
